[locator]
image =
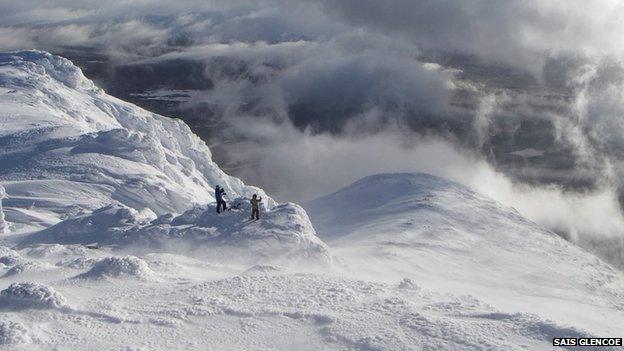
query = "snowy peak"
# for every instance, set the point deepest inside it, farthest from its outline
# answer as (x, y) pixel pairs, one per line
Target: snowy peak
(393, 197)
(449, 238)
(44, 64)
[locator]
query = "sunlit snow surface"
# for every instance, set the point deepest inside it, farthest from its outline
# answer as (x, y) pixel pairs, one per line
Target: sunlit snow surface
(113, 243)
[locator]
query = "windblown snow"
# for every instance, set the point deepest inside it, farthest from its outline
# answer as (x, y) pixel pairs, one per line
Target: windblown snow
(2, 221)
(449, 238)
(111, 241)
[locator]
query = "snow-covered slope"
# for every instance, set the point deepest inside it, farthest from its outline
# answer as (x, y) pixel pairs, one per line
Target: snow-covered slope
(430, 284)
(448, 238)
(87, 168)
(64, 141)
(2, 221)
(284, 235)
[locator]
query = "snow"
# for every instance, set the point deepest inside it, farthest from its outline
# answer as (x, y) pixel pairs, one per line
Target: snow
(115, 267)
(284, 234)
(26, 266)
(31, 295)
(88, 168)
(9, 257)
(3, 225)
(102, 225)
(12, 333)
(262, 269)
(59, 131)
(115, 243)
(450, 239)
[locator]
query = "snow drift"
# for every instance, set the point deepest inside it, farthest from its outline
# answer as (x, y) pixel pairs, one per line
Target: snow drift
(13, 333)
(31, 295)
(283, 235)
(119, 267)
(10, 257)
(106, 225)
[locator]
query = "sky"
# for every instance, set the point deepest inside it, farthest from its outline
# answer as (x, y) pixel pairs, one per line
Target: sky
(312, 95)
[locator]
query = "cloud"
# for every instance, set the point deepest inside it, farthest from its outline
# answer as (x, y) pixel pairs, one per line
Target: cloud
(300, 166)
(516, 32)
(15, 38)
(335, 90)
(143, 25)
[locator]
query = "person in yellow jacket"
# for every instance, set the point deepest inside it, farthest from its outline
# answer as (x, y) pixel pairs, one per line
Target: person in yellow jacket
(255, 210)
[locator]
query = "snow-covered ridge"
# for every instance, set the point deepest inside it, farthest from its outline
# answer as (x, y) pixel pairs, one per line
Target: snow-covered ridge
(82, 167)
(448, 238)
(285, 235)
(394, 198)
(57, 126)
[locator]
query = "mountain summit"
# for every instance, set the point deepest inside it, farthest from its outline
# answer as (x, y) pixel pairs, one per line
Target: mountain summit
(449, 238)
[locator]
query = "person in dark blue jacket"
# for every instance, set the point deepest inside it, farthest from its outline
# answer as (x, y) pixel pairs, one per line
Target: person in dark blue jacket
(219, 192)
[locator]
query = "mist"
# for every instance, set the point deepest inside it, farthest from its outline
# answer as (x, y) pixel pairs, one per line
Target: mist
(301, 166)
